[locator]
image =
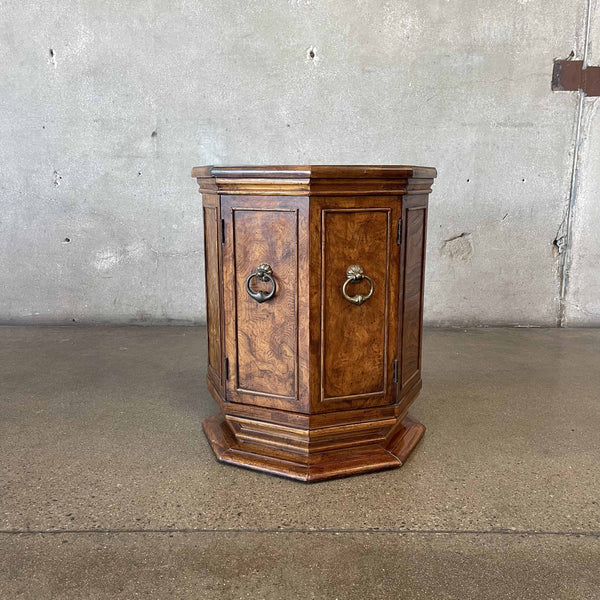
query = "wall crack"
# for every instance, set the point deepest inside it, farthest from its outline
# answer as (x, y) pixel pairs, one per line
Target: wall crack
(563, 240)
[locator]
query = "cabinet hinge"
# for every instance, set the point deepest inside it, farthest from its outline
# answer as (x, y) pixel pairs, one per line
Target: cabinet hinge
(396, 371)
(227, 368)
(399, 235)
(223, 231)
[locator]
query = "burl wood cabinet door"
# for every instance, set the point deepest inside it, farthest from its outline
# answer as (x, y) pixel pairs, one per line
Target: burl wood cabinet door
(266, 362)
(358, 342)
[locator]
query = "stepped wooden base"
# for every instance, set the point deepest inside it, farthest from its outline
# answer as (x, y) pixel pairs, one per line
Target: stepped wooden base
(312, 455)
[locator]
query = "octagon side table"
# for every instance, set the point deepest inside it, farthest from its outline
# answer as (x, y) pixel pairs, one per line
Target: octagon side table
(314, 288)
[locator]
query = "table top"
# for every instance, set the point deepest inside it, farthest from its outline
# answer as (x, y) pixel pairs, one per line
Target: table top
(317, 172)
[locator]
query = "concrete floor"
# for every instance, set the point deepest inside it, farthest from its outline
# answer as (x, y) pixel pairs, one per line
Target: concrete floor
(109, 489)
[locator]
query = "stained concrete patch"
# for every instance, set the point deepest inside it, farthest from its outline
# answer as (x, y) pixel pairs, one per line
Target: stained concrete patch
(458, 248)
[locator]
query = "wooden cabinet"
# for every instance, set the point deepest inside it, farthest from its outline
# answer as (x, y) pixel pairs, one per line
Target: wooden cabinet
(314, 291)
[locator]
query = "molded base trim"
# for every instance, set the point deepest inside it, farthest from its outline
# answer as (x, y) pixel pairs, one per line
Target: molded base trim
(306, 463)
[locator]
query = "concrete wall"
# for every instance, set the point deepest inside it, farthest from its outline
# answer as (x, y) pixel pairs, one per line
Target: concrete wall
(106, 105)
(582, 306)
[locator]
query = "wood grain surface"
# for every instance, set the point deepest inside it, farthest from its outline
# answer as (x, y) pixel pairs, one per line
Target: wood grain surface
(353, 347)
(263, 345)
(213, 278)
(310, 385)
(315, 180)
(354, 338)
(413, 273)
(266, 333)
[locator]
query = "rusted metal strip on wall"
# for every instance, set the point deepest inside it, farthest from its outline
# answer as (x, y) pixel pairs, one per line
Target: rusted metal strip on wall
(570, 76)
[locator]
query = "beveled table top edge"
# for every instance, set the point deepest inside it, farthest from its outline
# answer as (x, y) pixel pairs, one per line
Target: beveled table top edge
(316, 172)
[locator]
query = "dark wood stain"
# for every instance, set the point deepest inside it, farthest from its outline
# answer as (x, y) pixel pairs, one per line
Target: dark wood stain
(311, 393)
(213, 274)
(412, 298)
(266, 333)
(354, 338)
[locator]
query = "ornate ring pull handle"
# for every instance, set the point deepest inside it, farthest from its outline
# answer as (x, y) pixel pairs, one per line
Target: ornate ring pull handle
(355, 274)
(263, 272)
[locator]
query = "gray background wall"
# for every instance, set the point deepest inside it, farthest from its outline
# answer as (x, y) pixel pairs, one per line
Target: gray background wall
(106, 106)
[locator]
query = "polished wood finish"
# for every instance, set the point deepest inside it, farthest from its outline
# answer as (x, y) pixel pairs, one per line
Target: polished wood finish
(267, 349)
(414, 219)
(310, 385)
(315, 180)
(373, 451)
(357, 343)
(214, 276)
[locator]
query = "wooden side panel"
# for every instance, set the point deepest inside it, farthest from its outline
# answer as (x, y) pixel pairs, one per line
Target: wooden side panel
(414, 217)
(264, 358)
(356, 356)
(213, 273)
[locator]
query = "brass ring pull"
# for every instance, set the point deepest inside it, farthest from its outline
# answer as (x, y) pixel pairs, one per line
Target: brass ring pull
(355, 274)
(263, 272)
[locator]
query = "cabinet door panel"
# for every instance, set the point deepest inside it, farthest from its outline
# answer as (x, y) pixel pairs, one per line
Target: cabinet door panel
(354, 339)
(263, 355)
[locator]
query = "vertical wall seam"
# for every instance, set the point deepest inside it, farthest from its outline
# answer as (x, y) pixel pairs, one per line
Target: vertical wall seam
(567, 224)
